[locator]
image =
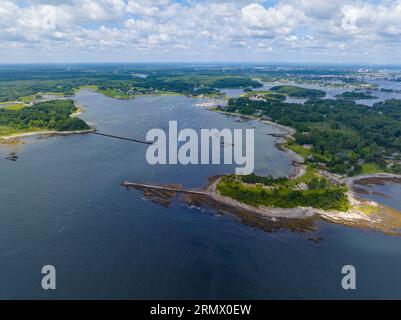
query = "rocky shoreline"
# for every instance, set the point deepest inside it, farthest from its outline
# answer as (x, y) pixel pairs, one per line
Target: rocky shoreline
(375, 178)
(363, 213)
(383, 219)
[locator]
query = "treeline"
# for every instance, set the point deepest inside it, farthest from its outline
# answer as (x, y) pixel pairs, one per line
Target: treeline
(234, 82)
(121, 81)
(15, 90)
(269, 180)
(299, 92)
(355, 95)
(52, 115)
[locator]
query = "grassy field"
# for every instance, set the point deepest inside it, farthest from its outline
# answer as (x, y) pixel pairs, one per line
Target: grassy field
(27, 99)
(116, 94)
(370, 168)
(8, 130)
(305, 152)
(16, 106)
(91, 87)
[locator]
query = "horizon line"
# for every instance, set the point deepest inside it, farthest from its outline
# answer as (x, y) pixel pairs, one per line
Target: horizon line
(362, 64)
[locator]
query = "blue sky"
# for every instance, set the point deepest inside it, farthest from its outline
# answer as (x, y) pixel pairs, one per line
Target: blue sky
(318, 31)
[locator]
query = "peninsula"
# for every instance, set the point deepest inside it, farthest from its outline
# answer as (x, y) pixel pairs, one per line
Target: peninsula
(49, 117)
(327, 146)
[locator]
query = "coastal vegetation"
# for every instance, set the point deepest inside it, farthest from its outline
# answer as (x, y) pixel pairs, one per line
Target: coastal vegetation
(336, 135)
(318, 193)
(299, 92)
(49, 115)
(265, 95)
(355, 95)
(333, 136)
(234, 82)
(118, 81)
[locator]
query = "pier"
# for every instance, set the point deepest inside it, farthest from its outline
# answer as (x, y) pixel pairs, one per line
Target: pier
(122, 138)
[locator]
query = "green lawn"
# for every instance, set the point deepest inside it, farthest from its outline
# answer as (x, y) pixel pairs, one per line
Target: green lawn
(8, 130)
(305, 152)
(15, 107)
(116, 94)
(371, 168)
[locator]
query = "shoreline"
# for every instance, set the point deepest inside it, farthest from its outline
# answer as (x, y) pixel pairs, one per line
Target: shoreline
(155, 94)
(386, 219)
(351, 215)
(354, 216)
(289, 131)
(16, 136)
(361, 212)
(44, 133)
(299, 168)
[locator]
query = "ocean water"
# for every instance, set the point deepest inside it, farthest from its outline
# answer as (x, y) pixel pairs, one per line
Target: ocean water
(61, 203)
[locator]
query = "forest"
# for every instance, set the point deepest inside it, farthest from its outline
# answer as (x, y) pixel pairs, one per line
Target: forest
(319, 195)
(50, 115)
(344, 137)
(19, 82)
(119, 81)
(355, 95)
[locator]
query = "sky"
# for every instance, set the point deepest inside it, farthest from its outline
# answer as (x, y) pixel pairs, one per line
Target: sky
(293, 31)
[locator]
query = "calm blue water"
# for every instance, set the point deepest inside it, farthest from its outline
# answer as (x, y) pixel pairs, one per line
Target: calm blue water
(61, 203)
(388, 194)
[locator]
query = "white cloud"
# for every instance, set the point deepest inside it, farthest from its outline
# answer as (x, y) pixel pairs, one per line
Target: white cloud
(202, 29)
(373, 19)
(319, 9)
(281, 19)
